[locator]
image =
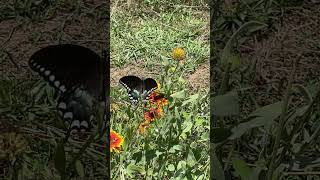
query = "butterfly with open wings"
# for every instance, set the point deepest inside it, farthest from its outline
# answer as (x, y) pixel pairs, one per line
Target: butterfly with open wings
(138, 88)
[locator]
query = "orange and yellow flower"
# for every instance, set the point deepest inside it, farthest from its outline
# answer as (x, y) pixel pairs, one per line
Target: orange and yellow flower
(154, 113)
(158, 99)
(149, 117)
(116, 141)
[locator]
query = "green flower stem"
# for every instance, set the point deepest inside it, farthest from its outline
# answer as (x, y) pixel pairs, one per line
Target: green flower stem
(146, 142)
(176, 68)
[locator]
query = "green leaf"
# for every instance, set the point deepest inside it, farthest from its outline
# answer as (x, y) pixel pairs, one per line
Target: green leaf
(172, 151)
(181, 80)
(187, 126)
(217, 171)
(176, 112)
(226, 104)
(312, 88)
(79, 168)
(205, 136)
(297, 113)
(227, 52)
(270, 111)
(235, 61)
(263, 116)
(158, 153)
(182, 165)
(256, 27)
(165, 62)
(60, 158)
(179, 94)
(171, 167)
(199, 121)
(40, 93)
(193, 144)
(304, 91)
(135, 168)
(191, 160)
(191, 99)
(177, 147)
(241, 168)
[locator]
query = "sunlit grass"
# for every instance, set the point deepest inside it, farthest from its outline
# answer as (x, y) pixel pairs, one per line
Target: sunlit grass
(176, 145)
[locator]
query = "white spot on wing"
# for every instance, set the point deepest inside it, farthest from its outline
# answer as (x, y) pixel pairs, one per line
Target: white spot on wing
(84, 124)
(75, 123)
(68, 115)
(51, 78)
(62, 105)
(38, 66)
(63, 88)
(57, 83)
(42, 69)
(47, 72)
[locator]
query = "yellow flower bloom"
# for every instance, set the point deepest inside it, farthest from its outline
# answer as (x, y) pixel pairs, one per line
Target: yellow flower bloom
(178, 54)
(158, 86)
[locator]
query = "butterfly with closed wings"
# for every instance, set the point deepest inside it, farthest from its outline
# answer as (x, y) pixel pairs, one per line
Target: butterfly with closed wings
(138, 88)
(77, 73)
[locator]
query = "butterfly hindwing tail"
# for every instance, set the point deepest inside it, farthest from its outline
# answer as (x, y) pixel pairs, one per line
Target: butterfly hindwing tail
(77, 117)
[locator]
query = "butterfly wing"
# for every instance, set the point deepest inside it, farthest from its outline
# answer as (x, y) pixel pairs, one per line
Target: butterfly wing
(149, 85)
(77, 73)
(133, 84)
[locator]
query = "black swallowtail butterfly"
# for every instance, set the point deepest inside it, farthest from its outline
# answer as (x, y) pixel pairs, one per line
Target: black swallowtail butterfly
(137, 87)
(77, 74)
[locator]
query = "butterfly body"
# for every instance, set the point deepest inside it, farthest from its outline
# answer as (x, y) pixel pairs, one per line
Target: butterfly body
(138, 88)
(76, 73)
